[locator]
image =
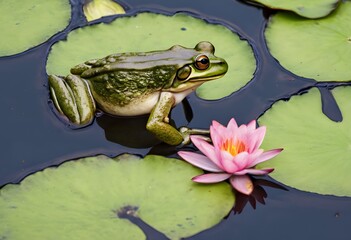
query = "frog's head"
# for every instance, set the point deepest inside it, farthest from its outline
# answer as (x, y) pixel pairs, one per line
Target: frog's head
(204, 66)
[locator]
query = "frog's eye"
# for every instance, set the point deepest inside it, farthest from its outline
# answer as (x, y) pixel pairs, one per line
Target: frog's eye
(183, 73)
(202, 62)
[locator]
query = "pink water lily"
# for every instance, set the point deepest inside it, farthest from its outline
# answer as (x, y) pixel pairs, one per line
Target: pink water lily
(234, 154)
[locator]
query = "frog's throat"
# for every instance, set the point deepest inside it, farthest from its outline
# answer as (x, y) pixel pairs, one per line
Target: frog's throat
(179, 96)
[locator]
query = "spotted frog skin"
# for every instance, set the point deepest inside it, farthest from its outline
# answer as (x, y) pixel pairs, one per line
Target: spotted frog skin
(132, 84)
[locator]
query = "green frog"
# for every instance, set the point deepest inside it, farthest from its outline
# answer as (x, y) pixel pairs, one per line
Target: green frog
(137, 83)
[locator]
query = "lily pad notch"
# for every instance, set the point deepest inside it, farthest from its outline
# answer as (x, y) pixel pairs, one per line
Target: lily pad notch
(92, 192)
(316, 156)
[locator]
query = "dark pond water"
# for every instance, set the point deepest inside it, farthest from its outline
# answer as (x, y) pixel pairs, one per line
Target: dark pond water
(33, 138)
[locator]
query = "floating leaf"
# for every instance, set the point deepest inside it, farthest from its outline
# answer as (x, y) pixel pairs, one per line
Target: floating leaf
(318, 49)
(309, 9)
(27, 23)
(317, 153)
(140, 34)
(81, 200)
(95, 9)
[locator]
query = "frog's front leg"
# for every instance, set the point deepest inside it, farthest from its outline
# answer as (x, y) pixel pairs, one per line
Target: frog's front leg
(158, 122)
(72, 98)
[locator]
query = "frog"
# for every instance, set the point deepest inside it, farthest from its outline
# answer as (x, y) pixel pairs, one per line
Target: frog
(137, 83)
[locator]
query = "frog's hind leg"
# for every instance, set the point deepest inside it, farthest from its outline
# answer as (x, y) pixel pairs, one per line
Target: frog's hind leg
(72, 98)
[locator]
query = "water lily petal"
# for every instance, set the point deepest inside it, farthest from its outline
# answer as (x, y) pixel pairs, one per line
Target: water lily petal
(260, 133)
(255, 171)
(242, 134)
(252, 125)
(242, 160)
(232, 125)
(256, 138)
(242, 130)
(220, 133)
(250, 142)
(253, 157)
(218, 127)
(199, 161)
(242, 184)
(266, 156)
(226, 160)
(216, 138)
(232, 164)
(211, 177)
(206, 149)
(223, 133)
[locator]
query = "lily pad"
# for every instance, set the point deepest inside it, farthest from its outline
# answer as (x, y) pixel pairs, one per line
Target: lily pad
(81, 199)
(139, 33)
(317, 49)
(317, 152)
(308, 9)
(27, 23)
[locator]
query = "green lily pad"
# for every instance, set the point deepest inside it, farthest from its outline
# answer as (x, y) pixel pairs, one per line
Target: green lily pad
(81, 199)
(317, 152)
(308, 9)
(140, 34)
(27, 23)
(317, 49)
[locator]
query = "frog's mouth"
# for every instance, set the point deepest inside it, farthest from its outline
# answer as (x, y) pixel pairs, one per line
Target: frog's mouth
(207, 78)
(181, 86)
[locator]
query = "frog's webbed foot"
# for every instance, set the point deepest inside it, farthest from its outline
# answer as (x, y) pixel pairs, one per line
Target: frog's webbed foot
(72, 98)
(187, 132)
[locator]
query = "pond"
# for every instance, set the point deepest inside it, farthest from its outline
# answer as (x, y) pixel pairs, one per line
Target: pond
(35, 138)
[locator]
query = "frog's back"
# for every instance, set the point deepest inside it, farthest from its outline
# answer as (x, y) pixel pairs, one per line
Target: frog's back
(175, 56)
(125, 85)
(122, 81)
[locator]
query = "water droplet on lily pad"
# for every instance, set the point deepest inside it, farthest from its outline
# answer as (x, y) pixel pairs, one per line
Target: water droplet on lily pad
(317, 150)
(308, 9)
(139, 33)
(85, 198)
(317, 49)
(27, 23)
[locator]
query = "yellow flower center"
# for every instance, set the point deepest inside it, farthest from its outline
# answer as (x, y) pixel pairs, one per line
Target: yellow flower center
(233, 148)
